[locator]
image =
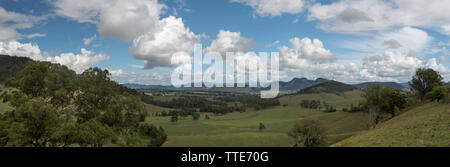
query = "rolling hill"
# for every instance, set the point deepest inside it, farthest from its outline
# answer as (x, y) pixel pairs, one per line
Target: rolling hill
(426, 125)
(10, 65)
(328, 87)
(300, 83)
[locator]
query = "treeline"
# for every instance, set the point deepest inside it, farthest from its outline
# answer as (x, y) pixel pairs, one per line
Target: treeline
(217, 106)
(53, 106)
(317, 104)
(248, 101)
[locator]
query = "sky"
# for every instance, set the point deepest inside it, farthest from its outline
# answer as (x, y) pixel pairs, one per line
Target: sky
(350, 41)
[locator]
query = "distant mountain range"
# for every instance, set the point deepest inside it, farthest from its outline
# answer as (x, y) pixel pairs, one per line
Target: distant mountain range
(294, 85)
(300, 83)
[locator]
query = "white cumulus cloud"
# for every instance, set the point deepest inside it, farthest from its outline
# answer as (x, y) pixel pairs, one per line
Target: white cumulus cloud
(271, 8)
(366, 16)
(302, 52)
(171, 38)
(120, 19)
(228, 41)
(79, 62)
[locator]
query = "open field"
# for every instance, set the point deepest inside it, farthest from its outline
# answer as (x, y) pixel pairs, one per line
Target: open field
(241, 129)
(427, 125)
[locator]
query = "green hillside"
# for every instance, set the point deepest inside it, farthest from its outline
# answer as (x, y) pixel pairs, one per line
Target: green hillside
(427, 125)
(328, 87)
(241, 129)
(10, 65)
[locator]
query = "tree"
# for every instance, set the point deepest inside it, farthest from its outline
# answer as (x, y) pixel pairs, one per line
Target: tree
(424, 81)
(53, 82)
(378, 100)
(96, 93)
(56, 107)
(437, 93)
(261, 127)
(93, 133)
(393, 101)
(34, 123)
(308, 133)
(195, 116)
(66, 135)
(372, 99)
(157, 137)
(174, 119)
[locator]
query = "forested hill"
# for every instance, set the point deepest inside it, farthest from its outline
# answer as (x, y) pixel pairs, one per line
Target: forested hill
(328, 87)
(10, 65)
(55, 107)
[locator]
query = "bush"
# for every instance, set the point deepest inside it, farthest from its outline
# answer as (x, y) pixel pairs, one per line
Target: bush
(195, 116)
(261, 127)
(174, 119)
(437, 93)
(345, 110)
(310, 104)
(308, 133)
(157, 136)
(329, 108)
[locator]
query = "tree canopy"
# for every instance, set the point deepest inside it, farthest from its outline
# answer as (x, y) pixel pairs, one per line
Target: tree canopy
(53, 106)
(424, 81)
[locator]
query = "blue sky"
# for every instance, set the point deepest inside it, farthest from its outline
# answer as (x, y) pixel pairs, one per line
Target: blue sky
(346, 40)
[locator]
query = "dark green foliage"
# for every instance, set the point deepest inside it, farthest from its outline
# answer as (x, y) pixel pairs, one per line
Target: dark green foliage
(308, 133)
(328, 108)
(206, 117)
(31, 124)
(378, 100)
(437, 93)
(261, 127)
(195, 116)
(354, 108)
(10, 65)
(424, 81)
(52, 82)
(217, 106)
(311, 104)
(394, 101)
(56, 107)
(93, 133)
(174, 119)
(328, 87)
(156, 136)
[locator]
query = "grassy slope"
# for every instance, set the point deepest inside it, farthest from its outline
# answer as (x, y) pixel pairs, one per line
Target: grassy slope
(241, 129)
(427, 125)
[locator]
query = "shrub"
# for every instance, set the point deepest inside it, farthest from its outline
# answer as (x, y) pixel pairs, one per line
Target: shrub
(308, 133)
